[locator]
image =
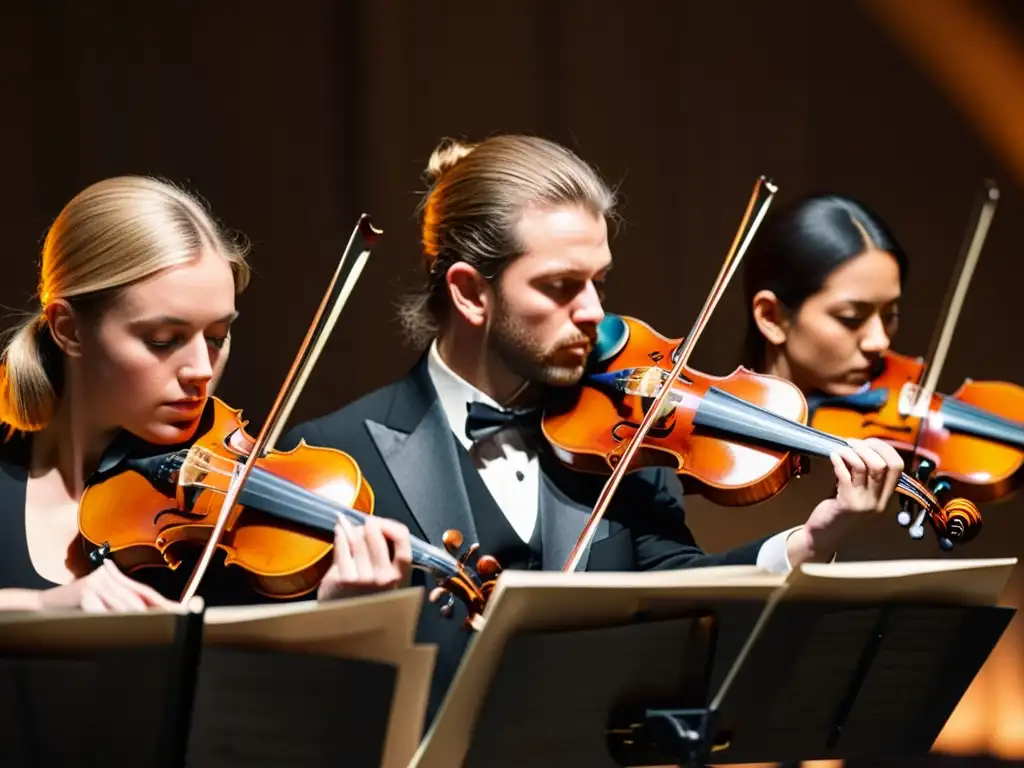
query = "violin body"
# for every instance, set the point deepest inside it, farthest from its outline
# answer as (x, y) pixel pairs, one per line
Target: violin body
(147, 514)
(146, 511)
(589, 429)
(974, 438)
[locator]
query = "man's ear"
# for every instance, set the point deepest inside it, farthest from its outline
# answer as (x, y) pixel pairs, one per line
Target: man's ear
(771, 317)
(65, 327)
(470, 293)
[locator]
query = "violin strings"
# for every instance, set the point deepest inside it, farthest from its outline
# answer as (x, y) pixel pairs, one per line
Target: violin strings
(725, 412)
(324, 512)
(971, 420)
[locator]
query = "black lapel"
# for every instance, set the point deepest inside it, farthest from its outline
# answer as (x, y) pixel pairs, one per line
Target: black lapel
(563, 515)
(419, 450)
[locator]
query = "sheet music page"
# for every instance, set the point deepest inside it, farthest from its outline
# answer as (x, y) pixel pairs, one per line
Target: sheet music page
(961, 581)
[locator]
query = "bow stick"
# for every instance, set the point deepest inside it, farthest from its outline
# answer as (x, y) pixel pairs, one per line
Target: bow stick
(970, 253)
(362, 240)
(757, 207)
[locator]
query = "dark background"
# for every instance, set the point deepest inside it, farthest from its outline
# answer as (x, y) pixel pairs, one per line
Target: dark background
(291, 119)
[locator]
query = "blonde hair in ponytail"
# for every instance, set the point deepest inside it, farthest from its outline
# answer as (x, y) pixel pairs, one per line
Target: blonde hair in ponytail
(27, 397)
(112, 234)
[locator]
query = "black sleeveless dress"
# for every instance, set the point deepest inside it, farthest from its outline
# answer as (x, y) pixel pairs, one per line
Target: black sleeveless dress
(221, 585)
(16, 569)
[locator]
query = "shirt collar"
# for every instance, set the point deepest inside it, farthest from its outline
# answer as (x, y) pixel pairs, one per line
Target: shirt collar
(455, 393)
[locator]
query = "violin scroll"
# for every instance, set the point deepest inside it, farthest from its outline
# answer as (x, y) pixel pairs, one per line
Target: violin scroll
(954, 520)
(957, 521)
(473, 585)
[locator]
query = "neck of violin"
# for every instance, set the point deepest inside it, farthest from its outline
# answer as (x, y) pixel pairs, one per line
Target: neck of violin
(286, 500)
(968, 419)
(724, 413)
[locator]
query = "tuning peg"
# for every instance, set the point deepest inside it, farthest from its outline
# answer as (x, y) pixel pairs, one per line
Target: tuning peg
(448, 609)
(469, 553)
(452, 541)
(903, 517)
(488, 567)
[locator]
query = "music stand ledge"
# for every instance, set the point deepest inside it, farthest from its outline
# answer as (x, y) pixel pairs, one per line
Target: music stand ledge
(789, 674)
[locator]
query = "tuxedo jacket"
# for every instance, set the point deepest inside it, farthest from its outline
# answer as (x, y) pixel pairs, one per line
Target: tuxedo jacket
(422, 476)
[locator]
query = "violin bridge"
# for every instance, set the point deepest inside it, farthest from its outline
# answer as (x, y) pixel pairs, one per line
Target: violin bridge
(646, 383)
(201, 469)
(911, 404)
(194, 470)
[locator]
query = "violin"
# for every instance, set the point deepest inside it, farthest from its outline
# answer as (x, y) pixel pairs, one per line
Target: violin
(271, 512)
(737, 439)
(282, 530)
(971, 442)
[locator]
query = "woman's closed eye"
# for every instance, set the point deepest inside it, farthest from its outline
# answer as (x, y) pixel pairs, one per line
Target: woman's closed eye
(162, 344)
(853, 322)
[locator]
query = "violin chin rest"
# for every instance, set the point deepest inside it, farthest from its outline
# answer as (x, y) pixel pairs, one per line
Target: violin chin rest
(612, 335)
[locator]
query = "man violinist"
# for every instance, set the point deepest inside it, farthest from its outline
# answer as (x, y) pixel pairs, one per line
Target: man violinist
(514, 233)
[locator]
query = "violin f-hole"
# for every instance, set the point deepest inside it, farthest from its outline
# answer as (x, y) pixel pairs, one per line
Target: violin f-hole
(615, 431)
(625, 424)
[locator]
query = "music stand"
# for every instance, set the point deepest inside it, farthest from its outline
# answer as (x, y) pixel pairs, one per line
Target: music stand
(312, 684)
(723, 665)
(86, 690)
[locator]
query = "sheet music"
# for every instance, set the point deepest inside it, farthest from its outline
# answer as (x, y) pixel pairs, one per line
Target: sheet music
(531, 601)
(961, 581)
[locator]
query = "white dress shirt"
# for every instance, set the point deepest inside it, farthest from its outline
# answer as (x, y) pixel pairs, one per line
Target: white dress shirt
(510, 469)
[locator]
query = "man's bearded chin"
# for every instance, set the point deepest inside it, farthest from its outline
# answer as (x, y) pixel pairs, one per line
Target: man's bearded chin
(525, 356)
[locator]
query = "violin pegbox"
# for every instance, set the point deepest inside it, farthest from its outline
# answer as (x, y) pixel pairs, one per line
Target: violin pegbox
(471, 582)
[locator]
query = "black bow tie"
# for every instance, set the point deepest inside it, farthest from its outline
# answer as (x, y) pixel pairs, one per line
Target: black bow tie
(484, 420)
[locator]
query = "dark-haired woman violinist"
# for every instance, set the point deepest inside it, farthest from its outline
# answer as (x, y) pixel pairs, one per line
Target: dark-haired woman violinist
(823, 283)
